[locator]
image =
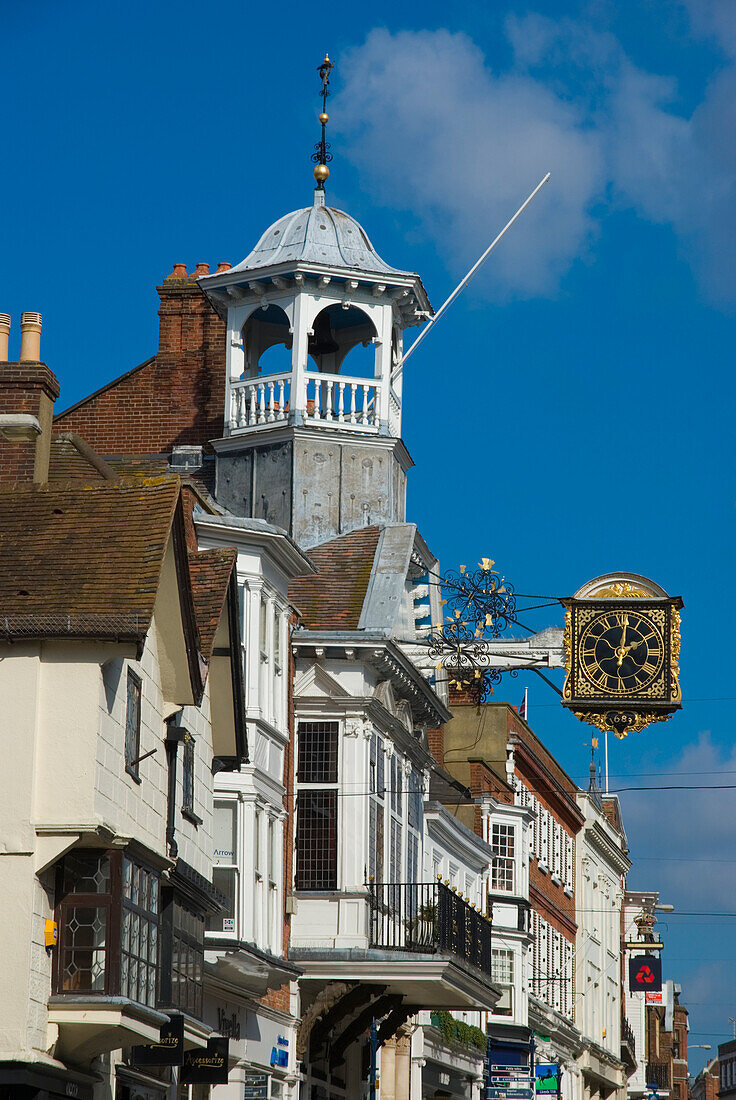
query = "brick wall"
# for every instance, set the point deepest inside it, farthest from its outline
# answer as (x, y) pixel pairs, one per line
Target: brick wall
(27, 388)
(436, 744)
(175, 398)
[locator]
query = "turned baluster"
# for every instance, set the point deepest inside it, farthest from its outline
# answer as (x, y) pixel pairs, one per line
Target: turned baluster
(341, 402)
(261, 403)
(271, 413)
(252, 404)
(364, 418)
(328, 403)
(282, 403)
(353, 388)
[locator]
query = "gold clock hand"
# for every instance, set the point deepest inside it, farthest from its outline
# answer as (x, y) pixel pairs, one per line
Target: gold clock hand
(621, 651)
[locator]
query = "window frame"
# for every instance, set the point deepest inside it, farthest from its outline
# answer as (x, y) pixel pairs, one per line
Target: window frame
(132, 758)
(232, 867)
(188, 783)
(115, 904)
(309, 793)
(174, 937)
(503, 863)
(507, 983)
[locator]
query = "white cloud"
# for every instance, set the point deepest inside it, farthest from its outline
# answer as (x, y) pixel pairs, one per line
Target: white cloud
(693, 828)
(436, 133)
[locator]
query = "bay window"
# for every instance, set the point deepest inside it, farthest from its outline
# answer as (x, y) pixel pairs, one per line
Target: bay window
(108, 917)
(316, 806)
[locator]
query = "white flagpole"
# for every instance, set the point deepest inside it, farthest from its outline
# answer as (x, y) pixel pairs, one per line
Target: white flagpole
(526, 706)
(467, 278)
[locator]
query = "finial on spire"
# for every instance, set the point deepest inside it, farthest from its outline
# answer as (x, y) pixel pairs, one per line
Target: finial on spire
(322, 155)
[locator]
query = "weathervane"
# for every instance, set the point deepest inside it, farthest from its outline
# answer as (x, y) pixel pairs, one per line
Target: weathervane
(322, 155)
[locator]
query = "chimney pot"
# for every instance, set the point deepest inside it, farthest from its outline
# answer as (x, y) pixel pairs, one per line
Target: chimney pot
(4, 336)
(202, 269)
(30, 337)
(223, 266)
(179, 272)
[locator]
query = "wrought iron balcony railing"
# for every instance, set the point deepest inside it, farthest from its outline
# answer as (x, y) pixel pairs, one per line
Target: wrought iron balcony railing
(658, 1074)
(428, 917)
(627, 1036)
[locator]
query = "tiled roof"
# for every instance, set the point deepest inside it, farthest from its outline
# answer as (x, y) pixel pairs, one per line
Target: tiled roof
(83, 560)
(332, 599)
(71, 459)
(210, 571)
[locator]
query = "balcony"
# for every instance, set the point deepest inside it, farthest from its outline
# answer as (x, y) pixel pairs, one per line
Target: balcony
(628, 1045)
(420, 942)
(658, 1075)
(332, 400)
(429, 917)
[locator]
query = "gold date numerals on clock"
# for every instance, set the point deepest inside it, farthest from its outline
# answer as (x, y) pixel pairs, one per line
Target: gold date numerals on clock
(621, 652)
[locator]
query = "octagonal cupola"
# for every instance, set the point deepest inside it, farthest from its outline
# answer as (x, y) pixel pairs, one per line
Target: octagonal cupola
(315, 327)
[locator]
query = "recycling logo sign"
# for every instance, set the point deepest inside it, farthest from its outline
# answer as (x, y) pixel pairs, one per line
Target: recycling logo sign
(645, 973)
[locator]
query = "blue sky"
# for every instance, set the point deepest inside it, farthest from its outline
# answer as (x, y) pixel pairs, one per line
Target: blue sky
(572, 412)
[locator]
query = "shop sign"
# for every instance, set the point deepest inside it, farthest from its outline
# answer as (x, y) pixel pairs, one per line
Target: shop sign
(511, 1094)
(547, 1078)
(256, 1086)
(209, 1066)
(280, 1053)
(645, 974)
(654, 998)
(168, 1051)
(228, 1024)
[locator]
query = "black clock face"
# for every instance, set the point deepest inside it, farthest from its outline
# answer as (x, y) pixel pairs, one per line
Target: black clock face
(621, 652)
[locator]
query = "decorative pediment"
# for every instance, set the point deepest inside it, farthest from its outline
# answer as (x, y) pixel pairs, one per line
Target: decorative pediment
(403, 713)
(315, 681)
(384, 692)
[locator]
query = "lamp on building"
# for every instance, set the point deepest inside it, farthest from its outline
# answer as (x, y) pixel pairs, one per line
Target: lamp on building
(665, 908)
(699, 1046)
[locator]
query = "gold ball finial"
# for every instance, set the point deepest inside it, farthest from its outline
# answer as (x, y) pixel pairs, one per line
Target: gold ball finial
(324, 118)
(321, 172)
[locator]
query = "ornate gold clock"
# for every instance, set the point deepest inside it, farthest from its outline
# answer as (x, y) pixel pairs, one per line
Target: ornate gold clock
(622, 646)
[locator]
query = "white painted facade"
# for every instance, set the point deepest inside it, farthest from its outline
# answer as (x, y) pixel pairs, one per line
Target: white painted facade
(64, 735)
(602, 865)
(250, 818)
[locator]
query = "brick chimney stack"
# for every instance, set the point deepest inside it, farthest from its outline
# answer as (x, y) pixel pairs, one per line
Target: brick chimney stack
(28, 390)
(4, 336)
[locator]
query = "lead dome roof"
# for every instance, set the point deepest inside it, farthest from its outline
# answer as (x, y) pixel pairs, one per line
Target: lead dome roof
(319, 235)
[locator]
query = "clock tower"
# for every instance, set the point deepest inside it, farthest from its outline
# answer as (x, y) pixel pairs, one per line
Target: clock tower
(312, 440)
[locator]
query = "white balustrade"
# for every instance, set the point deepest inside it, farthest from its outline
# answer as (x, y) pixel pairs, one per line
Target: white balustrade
(256, 401)
(353, 403)
(394, 412)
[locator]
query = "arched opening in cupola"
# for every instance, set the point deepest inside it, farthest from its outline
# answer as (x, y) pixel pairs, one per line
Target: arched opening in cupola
(339, 332)
(267, 341)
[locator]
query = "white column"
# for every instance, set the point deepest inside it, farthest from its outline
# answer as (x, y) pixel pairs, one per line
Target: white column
(268, 702)
(299, 356)
(418, 1062)
(252, 602)
(247, 871)
(383, 364)
(387, 1090)
(403, 1067)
